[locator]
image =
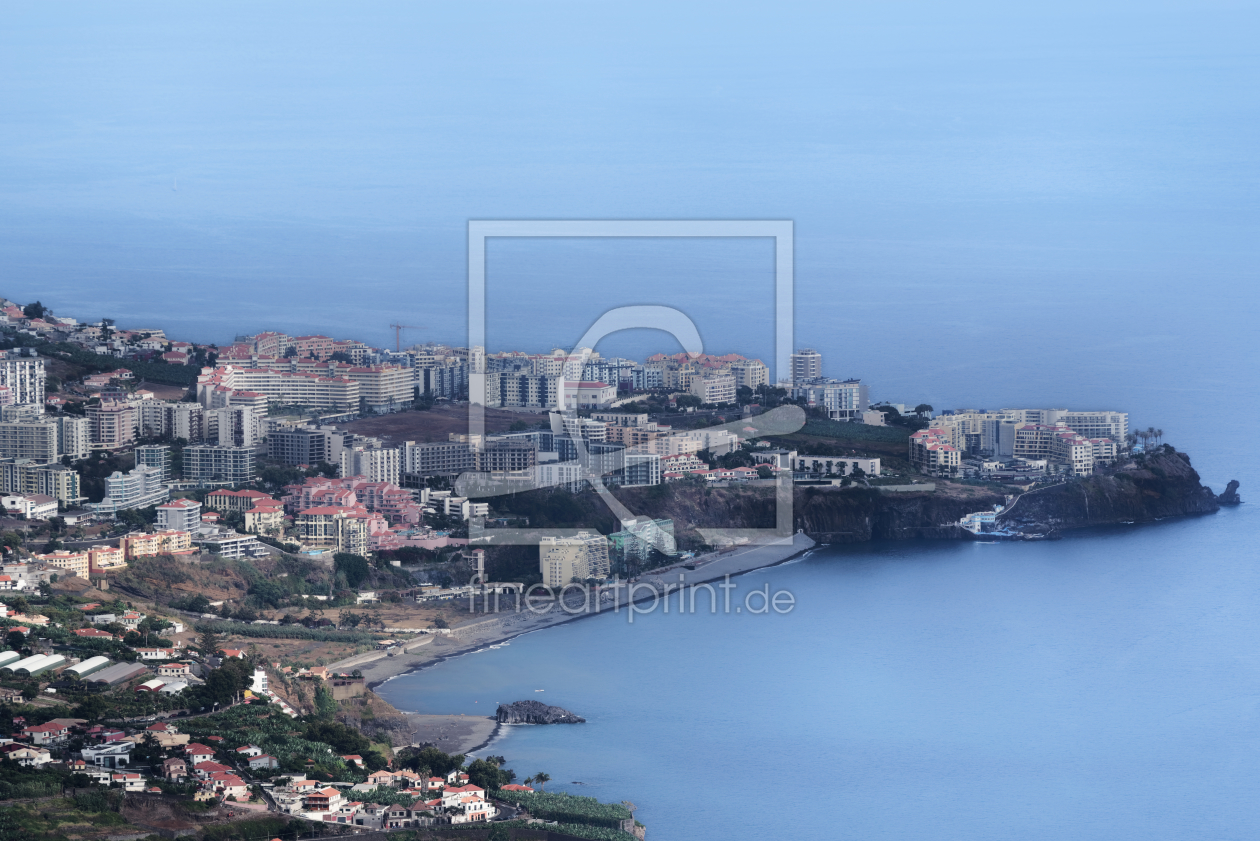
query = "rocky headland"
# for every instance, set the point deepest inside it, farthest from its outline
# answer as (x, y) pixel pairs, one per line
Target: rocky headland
(534, 712)
(1147, 488)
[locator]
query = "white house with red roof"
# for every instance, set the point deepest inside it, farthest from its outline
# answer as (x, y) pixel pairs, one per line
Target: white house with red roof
(179, 515)
(229, 785)
(47, 734)
(198, 753)
(324, 801)
(207, 769)
(248, 751)
(452, 796)
(127, 781)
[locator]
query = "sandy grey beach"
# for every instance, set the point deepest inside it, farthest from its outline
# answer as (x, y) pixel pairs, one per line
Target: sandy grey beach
(461, 734)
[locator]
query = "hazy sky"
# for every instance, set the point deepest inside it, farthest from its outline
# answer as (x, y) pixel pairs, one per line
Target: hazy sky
(993, 203)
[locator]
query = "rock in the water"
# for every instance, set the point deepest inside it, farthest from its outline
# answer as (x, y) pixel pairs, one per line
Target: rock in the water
(1230, 497)
(533, 712)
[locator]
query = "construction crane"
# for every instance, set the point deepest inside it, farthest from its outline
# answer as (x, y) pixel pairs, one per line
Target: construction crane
(398, 328)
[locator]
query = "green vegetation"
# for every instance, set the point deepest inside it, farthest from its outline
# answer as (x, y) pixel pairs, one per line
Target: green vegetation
(577, 830)
(354, 567)
(154, 372)
(568, 808)
(854, 431)
(291, 741)
(284, 632)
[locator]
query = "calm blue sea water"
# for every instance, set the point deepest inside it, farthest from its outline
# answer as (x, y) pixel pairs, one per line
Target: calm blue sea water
(995, 205)
(1106, 686)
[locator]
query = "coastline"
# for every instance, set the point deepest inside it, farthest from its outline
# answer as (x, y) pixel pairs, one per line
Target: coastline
(465, 736)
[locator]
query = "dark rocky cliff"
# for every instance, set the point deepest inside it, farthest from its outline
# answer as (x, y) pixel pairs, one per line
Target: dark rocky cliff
(1163, 484)
(1160, 485)
(853, 515)
(534, 712)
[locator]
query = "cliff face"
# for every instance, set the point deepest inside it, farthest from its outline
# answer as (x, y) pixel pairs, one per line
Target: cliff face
(535, 712)
(1161, 485)
(845, 515)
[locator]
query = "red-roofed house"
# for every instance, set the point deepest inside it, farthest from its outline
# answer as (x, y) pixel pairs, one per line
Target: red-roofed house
(198, 753)
(47, 734)
(324, 800)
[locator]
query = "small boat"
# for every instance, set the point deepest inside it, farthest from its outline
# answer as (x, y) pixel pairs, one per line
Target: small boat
(540, 690)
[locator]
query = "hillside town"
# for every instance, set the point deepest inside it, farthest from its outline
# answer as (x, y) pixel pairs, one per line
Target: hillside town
(161, 497)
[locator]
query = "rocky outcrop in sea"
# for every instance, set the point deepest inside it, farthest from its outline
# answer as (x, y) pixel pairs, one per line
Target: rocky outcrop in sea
(533, 712)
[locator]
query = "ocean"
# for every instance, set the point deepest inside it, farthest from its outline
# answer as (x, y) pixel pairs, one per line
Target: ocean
(1105, 686)
(994, 206)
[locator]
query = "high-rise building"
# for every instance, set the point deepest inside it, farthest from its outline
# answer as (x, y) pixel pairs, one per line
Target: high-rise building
(24, 476)
(376, 464)
(23, 375)
(714, 388)
(218, 463)
(235, 426)
(138, 488)
(639, 543)
(806, 365)
(179, 515)
(750, 373)
(438, 458)
(843, 399)
(160, 419)
(36, 440)
(563, 559)
(298, 446)
(74, 437)
(157, 456)
(113, 424)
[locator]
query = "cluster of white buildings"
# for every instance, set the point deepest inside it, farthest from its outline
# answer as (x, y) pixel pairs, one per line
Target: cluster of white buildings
(438, 800)
(1052, 440)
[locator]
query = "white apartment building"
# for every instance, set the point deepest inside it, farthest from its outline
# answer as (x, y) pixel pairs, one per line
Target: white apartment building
(843, 399)
(376, 464)
(179, 515)
(584, 395)
(235, 426)
(750, 373)
(562, 559)
(806, 365)
(288, 387)
(384, 387)
(719, 442)
(833, 466)
(139, 488)
(588, 429)
(218, 463)
(74, 437)
(35, 440)
(157, 456)
(24, 376)
(714, 388)
(159, 418)
(1091, 424)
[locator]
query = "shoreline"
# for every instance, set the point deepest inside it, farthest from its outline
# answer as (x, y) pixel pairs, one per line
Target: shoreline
(498, 629)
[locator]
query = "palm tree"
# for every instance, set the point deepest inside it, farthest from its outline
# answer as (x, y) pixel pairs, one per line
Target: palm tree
(542, 779)
(1159, 435)
(529, 781)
